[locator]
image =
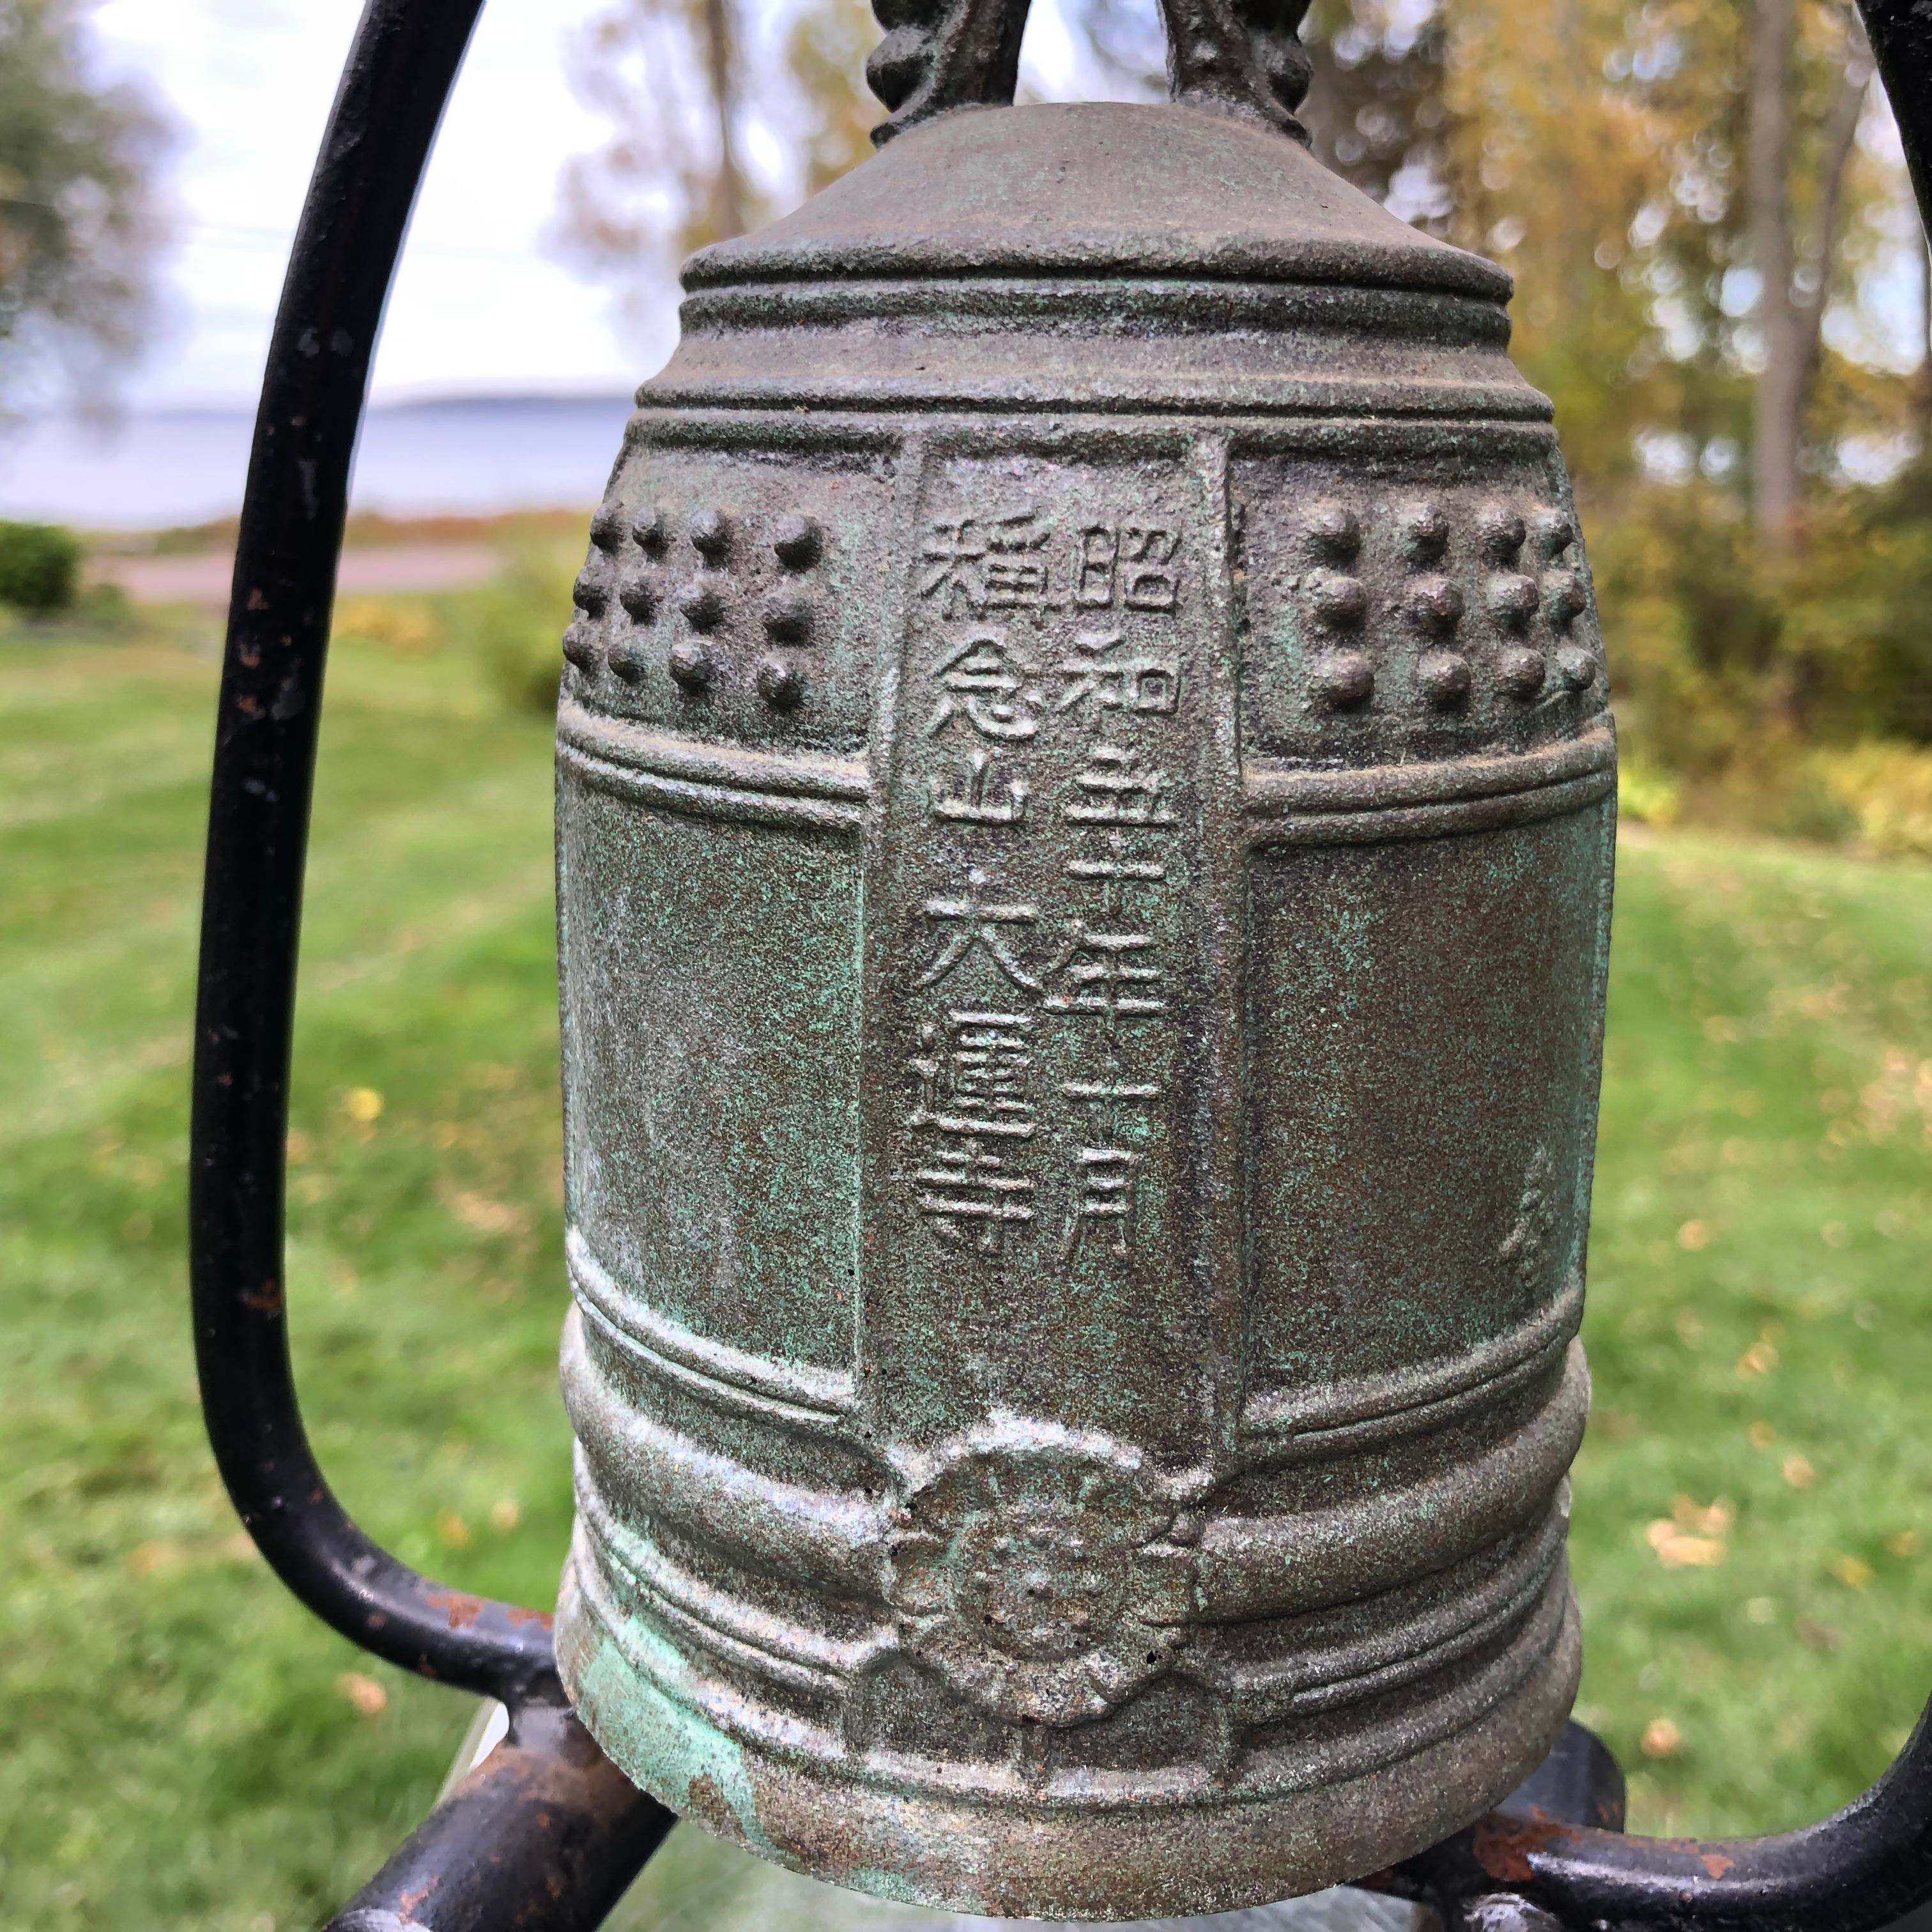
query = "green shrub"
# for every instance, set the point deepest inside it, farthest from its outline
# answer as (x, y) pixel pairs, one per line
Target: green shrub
(40, 566)
(1885, 790)
(1691, 630)
(1792, 696)
(1646, 795)
(516, 625)
(106, 606)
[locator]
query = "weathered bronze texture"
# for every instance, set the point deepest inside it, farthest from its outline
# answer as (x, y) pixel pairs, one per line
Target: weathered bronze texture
(1084, 820)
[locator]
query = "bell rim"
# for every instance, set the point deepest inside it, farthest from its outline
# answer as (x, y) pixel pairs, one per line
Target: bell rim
(1100, 1864)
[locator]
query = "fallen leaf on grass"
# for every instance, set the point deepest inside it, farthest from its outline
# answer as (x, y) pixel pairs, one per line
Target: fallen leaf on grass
(1694, 1236)
(1676, 1551)
(1759, 1359)
(1692, 1536)
(368, 1697)
(1660, 1739)
(362, 1104)
(1798, 1472)
(1853, 1571)
(1762, 1435)
(478, 1211)
(1906, 1542)
(1713, 1518)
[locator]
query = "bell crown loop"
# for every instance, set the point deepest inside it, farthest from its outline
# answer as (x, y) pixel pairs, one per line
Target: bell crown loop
(1241, 57)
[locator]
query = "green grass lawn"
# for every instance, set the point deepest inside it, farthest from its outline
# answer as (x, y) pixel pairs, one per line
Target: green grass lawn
(181, 1746)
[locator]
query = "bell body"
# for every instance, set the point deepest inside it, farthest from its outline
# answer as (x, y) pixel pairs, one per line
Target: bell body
(1084, 831)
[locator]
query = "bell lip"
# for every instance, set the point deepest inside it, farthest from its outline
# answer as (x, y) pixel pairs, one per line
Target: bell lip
(1089, 1867)
(1237, 202)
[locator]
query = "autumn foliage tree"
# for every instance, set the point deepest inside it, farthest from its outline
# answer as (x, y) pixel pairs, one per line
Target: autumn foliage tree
(1697, 198)
(687, 88)
(80, 221)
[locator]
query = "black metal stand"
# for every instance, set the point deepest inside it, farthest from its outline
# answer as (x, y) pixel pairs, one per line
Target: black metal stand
(545, 1834)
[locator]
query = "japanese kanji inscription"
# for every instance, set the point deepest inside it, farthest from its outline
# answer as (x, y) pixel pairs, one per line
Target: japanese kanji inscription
(1043, 966)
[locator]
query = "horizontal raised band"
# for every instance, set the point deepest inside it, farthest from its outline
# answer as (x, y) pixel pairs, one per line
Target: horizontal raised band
(1256, 1565)
(1406, 1647)
(1335, 1417)
(591, 1621)
(1282, 804)
(1287, 806)
(652, 1470)
(784, 1649)
(712, 779)
(1274, 789)
(1409, 1644)
(1248, 1565)
(821, 1395)
(1158, 392)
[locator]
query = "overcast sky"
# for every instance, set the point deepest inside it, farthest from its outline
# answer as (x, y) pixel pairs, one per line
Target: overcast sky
(478, 304)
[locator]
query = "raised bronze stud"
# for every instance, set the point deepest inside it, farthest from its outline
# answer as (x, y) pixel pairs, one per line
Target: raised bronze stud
(797, 542)
(1346, 679)
(1521, 672)
(690, 663)
(1444, 679)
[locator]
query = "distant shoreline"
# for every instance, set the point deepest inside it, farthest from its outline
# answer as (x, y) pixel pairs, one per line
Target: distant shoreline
(458, 456)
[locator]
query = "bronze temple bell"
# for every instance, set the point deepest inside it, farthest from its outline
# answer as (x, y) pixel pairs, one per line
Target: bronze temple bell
(1085, 802)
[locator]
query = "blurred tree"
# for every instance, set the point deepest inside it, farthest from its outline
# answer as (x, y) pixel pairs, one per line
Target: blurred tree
(687, 93)
(825, 52)
(665, 74)
(1376, 110)
(1674, 183)
(79, 223)
(1794, 273)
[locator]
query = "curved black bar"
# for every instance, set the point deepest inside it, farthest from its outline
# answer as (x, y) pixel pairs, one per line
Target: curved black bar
(1861, 1870)
(1900, 33)
(545, 1832)
(400, 73)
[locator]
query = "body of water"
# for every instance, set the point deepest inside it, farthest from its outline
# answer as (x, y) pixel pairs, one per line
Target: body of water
(461, 455)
